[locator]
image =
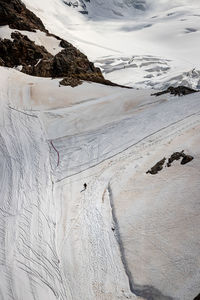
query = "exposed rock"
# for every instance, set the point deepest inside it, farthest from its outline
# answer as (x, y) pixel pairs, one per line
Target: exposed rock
(157, 168)
(64, 44)
(177, 91)
(73, 82)
(178, 155)
(186, 159)
(71, 61)
(15, 14)
(197, 297)
(2, 64)
(35, 60)
(173, 157)
(21, 51)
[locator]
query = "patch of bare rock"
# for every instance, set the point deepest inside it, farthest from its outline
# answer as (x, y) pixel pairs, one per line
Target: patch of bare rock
(185, 158)
(15, 14)
(176, 91)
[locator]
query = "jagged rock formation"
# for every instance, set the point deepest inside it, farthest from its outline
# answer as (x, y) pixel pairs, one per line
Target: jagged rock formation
(15, 14)
(11, 52)
(176, 91)
(35, 60)
(157, 168)
(185, 158)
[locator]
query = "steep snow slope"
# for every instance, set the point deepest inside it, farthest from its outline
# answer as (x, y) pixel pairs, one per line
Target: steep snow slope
(33, 219)
(112, 241)
(168, 32)
(129, 234)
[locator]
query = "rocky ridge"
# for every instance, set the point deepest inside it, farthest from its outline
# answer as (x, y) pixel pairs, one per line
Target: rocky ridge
(35, 60)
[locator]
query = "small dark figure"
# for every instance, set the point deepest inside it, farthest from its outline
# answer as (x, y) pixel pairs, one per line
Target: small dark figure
(85, 187)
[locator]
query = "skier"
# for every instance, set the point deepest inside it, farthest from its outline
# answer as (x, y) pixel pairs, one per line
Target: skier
(84, 187)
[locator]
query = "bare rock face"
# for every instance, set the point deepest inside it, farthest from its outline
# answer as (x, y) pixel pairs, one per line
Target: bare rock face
(72, 61)
(35, 60)
(176, 91)
(15, 14)
(157, 168)
(21, 51)
(185, 159)
(73, 82)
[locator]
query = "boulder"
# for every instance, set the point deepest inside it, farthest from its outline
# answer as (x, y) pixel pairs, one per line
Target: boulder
(157, 167)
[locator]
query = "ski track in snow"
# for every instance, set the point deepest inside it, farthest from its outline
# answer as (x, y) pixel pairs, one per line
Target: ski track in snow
(53, 236)
(57, 242)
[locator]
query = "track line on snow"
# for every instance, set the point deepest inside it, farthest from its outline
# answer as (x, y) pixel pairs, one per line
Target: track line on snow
(20, 111)
(127, 148)
(58, 154)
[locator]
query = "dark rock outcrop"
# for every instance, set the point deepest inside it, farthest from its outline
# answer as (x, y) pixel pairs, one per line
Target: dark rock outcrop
(157, 168)
(73, 82)
(197, 297)
(21, 51)
(35, 60)
(177, 91)
(15, 14)
(178, 155)
(173, 157)
(185, 158)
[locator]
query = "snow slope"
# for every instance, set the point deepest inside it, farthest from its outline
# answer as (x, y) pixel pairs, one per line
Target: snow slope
(167, 31)
(117, 239)
(129, 235)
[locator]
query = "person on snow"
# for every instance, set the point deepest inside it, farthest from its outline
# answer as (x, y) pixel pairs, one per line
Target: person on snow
(84, 187)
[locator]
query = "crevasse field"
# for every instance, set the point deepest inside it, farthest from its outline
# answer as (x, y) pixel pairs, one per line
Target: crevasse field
(129, 235)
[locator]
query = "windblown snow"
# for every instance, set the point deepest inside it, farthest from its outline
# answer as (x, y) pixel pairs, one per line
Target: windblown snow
(128, 235)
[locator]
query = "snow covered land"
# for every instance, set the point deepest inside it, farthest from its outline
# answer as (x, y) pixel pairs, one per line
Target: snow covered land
(81, 218)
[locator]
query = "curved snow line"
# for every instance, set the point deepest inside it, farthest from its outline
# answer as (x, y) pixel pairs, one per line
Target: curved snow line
(147, 292)
(58, 161)
(127, 148)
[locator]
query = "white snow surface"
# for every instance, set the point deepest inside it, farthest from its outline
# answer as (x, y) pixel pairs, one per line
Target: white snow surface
(166, 31)
(129, 233)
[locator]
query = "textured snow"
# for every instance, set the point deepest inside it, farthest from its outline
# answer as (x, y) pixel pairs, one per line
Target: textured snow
(167, 31)
(129, 233)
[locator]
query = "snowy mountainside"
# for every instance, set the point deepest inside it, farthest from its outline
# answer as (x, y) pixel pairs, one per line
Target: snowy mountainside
(81, 215)
(111, 150)
(166, 30)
